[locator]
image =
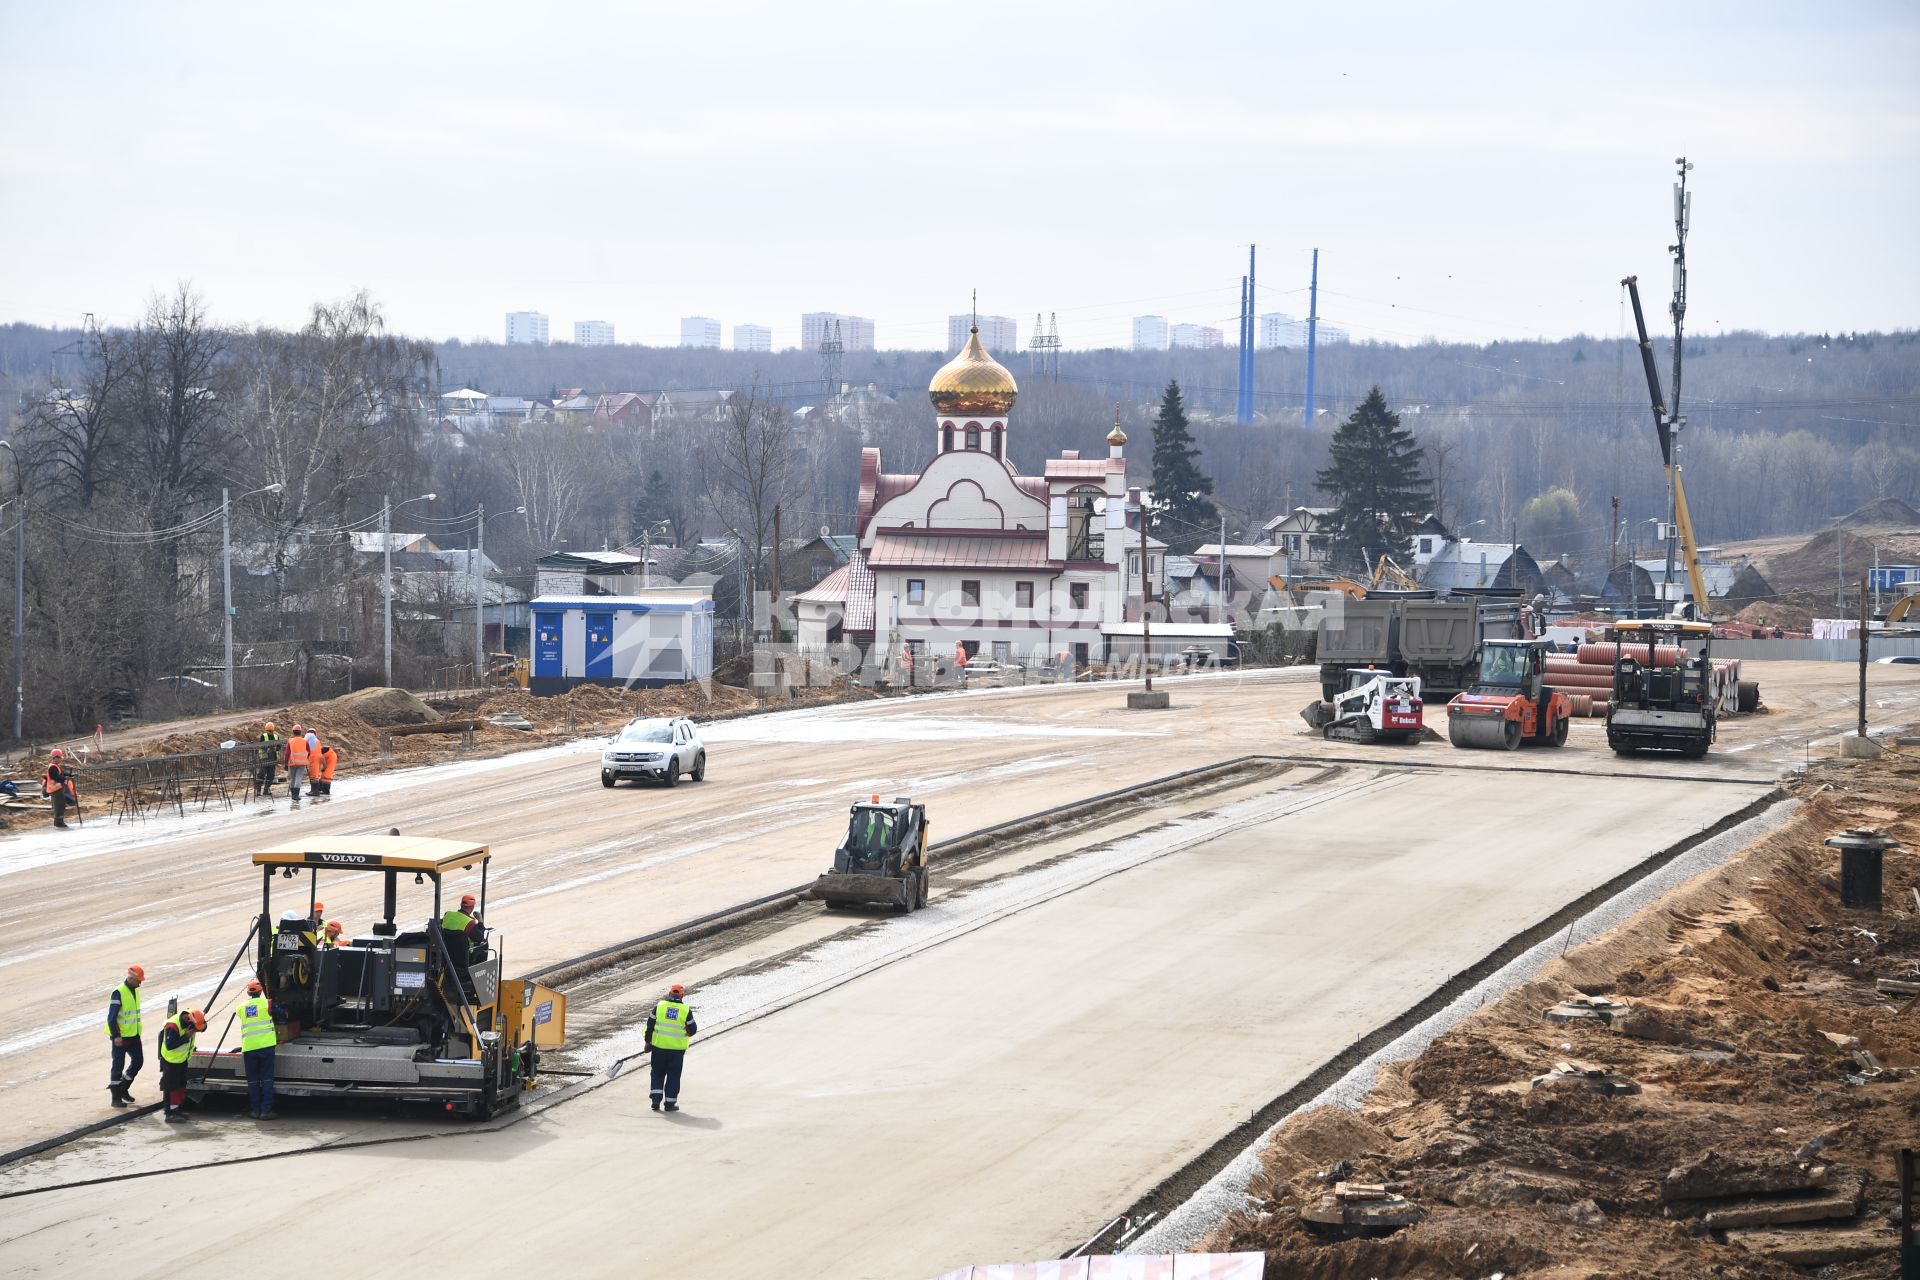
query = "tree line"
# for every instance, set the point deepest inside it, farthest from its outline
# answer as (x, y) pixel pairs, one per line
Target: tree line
(126, 437)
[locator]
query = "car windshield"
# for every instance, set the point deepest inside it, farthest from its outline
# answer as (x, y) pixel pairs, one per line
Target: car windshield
(647, 733)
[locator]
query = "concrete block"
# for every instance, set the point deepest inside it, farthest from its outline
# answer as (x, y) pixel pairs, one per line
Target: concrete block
(1158, 700)
(1855, 747)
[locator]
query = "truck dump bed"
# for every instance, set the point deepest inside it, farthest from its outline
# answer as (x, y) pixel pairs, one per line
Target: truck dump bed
(1358, 632)
(1438, 631)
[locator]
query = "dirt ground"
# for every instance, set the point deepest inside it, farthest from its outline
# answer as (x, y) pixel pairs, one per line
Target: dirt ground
(1748, 987)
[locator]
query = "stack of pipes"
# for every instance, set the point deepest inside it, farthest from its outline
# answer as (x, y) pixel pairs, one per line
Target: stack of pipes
(1586, 677)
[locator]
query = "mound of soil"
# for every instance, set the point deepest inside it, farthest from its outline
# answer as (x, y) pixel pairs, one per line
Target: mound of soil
(1772, 613)
(1829, 557)
(383, 706)
(1752, 995)
(801, 672)
(1881, 513)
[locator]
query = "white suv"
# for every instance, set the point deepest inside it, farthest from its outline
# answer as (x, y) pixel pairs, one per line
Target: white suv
(660, 750)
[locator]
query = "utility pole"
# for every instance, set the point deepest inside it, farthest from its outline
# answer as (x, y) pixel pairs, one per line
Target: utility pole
(1146, 598)
(386, 578)
(480, 596)
(226, 597)
(19, 591)
(775, 611)
(1313, 323)
(1862, 727)
(1613, 537)
(1223, 571)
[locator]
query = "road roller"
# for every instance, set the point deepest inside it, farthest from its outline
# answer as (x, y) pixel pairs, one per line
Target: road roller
(1509, 704)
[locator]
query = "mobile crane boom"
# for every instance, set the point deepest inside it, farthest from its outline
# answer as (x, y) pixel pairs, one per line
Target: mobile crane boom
(1689, 549)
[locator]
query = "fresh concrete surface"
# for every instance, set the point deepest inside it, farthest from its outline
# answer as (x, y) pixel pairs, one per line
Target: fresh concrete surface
(992, 1098)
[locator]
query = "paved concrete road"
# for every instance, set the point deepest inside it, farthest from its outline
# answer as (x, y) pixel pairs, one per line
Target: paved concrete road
(579, 867)
(989, 1098)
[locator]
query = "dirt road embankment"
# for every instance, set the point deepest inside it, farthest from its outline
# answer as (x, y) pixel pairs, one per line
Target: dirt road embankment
(1735, 1110)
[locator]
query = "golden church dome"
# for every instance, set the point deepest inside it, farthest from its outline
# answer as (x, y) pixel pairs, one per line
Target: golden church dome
(973, 382)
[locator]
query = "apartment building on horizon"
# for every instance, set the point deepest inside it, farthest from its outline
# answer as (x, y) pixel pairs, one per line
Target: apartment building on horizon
(526, 328)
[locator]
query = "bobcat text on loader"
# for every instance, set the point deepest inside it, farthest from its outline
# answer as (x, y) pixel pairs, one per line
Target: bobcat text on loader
(407, 1011)
(1509, 703)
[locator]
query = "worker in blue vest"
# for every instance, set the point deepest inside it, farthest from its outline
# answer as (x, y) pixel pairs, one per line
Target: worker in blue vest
(259, 1033)
(123, 1028)
(669, 1028)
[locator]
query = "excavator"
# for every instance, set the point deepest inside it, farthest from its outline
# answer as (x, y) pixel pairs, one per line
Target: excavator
(1509, 704)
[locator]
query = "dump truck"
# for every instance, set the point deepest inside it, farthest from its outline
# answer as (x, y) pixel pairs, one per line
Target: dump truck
(405, 1011)
(883, 859)
(1662, 697)
(1436, 641)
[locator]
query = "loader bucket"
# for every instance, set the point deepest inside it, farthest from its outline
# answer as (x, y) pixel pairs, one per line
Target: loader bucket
(839, 890)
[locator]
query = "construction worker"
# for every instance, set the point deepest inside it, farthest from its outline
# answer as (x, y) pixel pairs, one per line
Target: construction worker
(269, 760)
(123, 1028)
(57, 785)
(295, 755)
(176, 1047)
(669, 1027)
(459, 927)
(258, 1036)
(324, 763)
(330, 936)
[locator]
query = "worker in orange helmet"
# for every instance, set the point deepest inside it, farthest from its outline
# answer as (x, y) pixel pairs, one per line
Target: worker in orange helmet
(259, 1035)
(296, 756)
(670, 1028)
(330, 936)
(123, 1028)
(57, 785)
(176, 1047)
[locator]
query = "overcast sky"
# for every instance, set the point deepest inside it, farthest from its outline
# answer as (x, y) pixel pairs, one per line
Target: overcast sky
(1473, 177)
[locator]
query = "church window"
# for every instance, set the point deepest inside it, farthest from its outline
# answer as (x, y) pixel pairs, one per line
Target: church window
(946, 438)
(973, 436)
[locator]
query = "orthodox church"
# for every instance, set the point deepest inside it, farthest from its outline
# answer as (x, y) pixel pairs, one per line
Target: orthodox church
(969, 553)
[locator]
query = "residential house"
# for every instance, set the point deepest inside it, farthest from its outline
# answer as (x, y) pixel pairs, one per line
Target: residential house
(1463, 565)
(1301, 535)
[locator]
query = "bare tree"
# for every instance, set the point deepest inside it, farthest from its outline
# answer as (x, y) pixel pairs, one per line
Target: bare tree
(751, 467)
(178, 407)
(74, 431)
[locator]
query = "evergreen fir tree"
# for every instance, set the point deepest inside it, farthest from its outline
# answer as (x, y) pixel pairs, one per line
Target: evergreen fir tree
(1374, 477)
(653, 505)
(1183, 515)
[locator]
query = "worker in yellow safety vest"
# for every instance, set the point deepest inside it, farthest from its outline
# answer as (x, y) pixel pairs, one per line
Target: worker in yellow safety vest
(176, 1046)
(123, 1028)
(330, 936)
(458, 926)
(670, 1028)
(258, 1036)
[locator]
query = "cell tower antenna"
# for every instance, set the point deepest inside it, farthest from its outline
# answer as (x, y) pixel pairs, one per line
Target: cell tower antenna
(1243, 405)
(831, 349)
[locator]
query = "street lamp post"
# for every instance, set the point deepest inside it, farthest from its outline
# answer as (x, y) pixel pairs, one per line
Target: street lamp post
(226, 575)
(387, 508)
(19, 592)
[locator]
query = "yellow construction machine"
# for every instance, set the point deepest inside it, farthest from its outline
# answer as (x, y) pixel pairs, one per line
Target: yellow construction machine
(406, 1010)
(504, 671)
(1388, 571)
(1346, 586)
